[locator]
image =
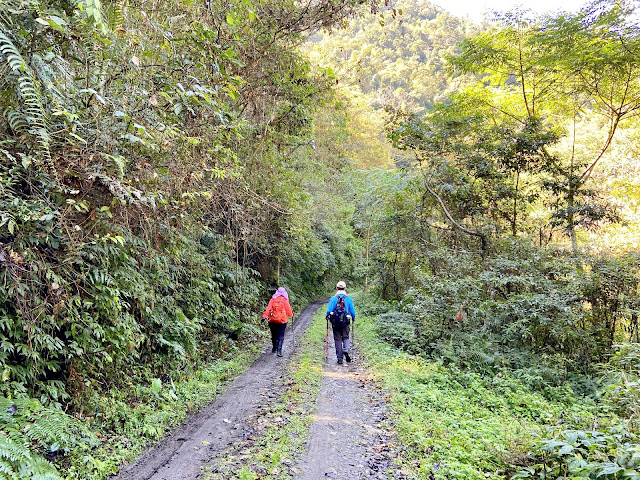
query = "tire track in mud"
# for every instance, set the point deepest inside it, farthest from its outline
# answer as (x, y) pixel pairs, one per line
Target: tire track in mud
(350, 437)
(182, 454)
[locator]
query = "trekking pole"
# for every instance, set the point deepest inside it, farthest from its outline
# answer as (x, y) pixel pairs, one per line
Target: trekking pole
(326, 344)
(293, 332)
(353, 332)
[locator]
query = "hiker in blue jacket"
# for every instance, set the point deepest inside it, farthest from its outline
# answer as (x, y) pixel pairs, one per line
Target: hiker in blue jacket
(340, 313)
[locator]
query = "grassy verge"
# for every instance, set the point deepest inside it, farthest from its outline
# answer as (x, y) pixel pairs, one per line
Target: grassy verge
(282, 428)
(158, 408)
(459, 424)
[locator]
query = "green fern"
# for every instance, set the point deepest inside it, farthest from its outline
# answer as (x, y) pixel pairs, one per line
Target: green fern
(12, 453)
(17, 459)
(119, 15)
(52, 427)
(6, 469)
(43, 470)
(34, 429)
(32, 117)
(17, 121)
(114, 14)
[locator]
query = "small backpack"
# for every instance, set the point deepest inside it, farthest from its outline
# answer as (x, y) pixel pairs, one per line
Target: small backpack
(278, 313)
(338, 317)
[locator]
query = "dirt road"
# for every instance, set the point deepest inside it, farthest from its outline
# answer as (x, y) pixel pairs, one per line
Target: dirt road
(347, 440)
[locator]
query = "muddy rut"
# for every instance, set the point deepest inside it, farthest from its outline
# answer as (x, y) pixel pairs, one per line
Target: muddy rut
(347, 439)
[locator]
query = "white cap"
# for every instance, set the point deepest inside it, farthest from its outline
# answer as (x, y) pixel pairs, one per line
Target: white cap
(341, 285)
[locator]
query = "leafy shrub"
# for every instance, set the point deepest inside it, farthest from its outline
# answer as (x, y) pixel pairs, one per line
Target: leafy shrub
(526, 306)
(32, 432)
(399, 329)
(604, 453)
(369, 305)
(121, 304)
(462, 423)
(621, 379)
(586, 455)
(139, 218)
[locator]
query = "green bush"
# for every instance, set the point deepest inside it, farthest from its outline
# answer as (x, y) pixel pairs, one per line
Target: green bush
(399, 329)
(33, 435)
(117, 307)
(586, 455)
(458, 422)
(527, 305)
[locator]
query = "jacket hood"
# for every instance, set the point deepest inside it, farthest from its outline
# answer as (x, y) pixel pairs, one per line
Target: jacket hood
(281, 292)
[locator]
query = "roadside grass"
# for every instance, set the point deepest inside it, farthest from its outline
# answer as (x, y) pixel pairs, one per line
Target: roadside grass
(458, 424)
(281, 429)
(125, 424)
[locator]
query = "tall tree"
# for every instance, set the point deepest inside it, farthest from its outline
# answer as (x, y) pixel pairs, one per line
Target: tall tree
(556, 69)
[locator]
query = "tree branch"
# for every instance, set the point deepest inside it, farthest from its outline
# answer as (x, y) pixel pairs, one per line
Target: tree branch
(483, 238)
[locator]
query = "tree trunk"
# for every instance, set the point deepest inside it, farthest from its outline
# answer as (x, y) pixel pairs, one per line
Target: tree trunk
(514, 220)
(571, 220)
(574, 184)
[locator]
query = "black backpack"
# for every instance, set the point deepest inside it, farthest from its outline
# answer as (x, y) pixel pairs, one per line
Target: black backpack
(338, 317)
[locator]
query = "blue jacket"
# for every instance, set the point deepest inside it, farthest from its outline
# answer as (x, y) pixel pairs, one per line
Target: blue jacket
(348, 304)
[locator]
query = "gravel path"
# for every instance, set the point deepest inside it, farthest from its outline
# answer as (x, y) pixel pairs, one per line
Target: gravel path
(349, 439)
(181, 455)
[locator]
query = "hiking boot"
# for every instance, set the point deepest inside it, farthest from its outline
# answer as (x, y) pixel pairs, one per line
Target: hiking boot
(347, 357)
(339, 361)
(279, 354)
(274, 350)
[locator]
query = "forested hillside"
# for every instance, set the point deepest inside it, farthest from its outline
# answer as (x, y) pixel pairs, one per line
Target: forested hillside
(392, 61)
(157, 177)
(508, 245)
(165, 165)
(397, 58)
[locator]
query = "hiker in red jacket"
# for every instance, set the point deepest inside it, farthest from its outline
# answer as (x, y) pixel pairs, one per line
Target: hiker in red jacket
(277, 314)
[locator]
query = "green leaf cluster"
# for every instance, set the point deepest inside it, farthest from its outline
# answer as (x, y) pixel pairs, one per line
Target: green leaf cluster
(460, 423)
(32, 434)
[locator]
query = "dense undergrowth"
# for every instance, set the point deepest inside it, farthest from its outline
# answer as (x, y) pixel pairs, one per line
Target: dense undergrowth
(155, 186)
(163, 166)
(465, 416)
(123, 421)
(528, 306)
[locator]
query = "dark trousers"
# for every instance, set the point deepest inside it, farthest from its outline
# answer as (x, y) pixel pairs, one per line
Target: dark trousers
(341, 338)
(277, 335)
